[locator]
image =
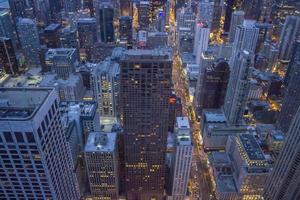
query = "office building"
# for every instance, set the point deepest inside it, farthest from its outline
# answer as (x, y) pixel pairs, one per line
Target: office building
(101, 158)
(238, 88)
(68, 38)
(182, 160)
(201, 40)
(250, 166)
(291, 100)
(212, 92)
(51, 36)
(143, 15)
(126, 8)
(8, 60)
(37, 161)
(246, 36)
(87, 36)
(145, 116)
(237, 19)
(62, 61)
(29, 39)
(253, 9)
(6, 26)
(230, 6)
(205, 12)
(87, 113)
(104, 18)
(105, 84)
(289, 33)
(125, 29)
(157, 40)
(17, 9)
(216, 16)
(284, 180)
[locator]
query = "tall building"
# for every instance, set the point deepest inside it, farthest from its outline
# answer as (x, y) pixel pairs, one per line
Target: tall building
(238, 88)
(143, 15)
(29, 39)
(104, 18)
(283, 182)
(145, 86)
(36, 159)
(87, 36)
(230, 6)
(101, 158)
(213, 88)
(201, 40)
(62, 61)
(6, 26)
(250, 167)
(289, 33)
(205, 12)
(217, 14)
(105, 83)
(126, 7)
(291, 100)
(125, 29)
(68, 38)
(182, 159)
(237, 19)
(8, 60)
(17, 9)
(253, 9)
(51, 36)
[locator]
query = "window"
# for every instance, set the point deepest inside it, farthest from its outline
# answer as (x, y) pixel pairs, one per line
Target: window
(19, 137)
(8, 137)
(30, 137)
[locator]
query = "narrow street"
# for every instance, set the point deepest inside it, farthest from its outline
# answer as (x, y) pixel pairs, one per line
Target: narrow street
(199, 186)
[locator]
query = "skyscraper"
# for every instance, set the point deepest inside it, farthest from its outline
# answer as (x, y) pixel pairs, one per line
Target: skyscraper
(237, 19)
(205, 12)
(289, 33)
(253, 9)
(36, 159)
(291, 100)
(87, 36)
(8, 60)
(29, 39)
(51, 36)
(238, 88)
(201, 40)
(125, 29)
(212, 91)
(62, 61)
(145, 87)
(182, 159)
(101, 158)
(143, 13)
(104, 19)
(17, 8)
(68, 38)
(230, 6)
(283, 182)
(6, 26)
(105, 83)
(126, 7)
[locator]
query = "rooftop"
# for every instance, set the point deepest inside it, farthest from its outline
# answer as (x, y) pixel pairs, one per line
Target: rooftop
(146, 54)
(219, 157)
(225, 184)
(214, 117)
(26, 21)
(52, 27)
(87, 20)
(60, 52)
(101, 142)
(21, 103)
(86, 108)
(277, 135)
(251, 147)
(182, 122)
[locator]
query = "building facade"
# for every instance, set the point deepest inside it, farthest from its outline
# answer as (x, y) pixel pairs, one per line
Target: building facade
(39, 164)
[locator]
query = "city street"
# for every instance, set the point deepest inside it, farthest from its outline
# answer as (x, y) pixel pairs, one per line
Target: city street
(200, 186)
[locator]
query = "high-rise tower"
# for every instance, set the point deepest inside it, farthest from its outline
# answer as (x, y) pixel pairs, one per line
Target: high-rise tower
(145, 87)
(284, 180)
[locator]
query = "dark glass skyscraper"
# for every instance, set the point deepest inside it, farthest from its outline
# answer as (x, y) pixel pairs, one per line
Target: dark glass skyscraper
(125, 29)
(8, 58)
(284, 180)
(291, 99)
(145, 82)
(105, 18)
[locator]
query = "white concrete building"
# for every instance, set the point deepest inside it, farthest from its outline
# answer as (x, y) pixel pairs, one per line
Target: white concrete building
(36, 161)
(182, 161)
(101, 157)
(105, 84)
